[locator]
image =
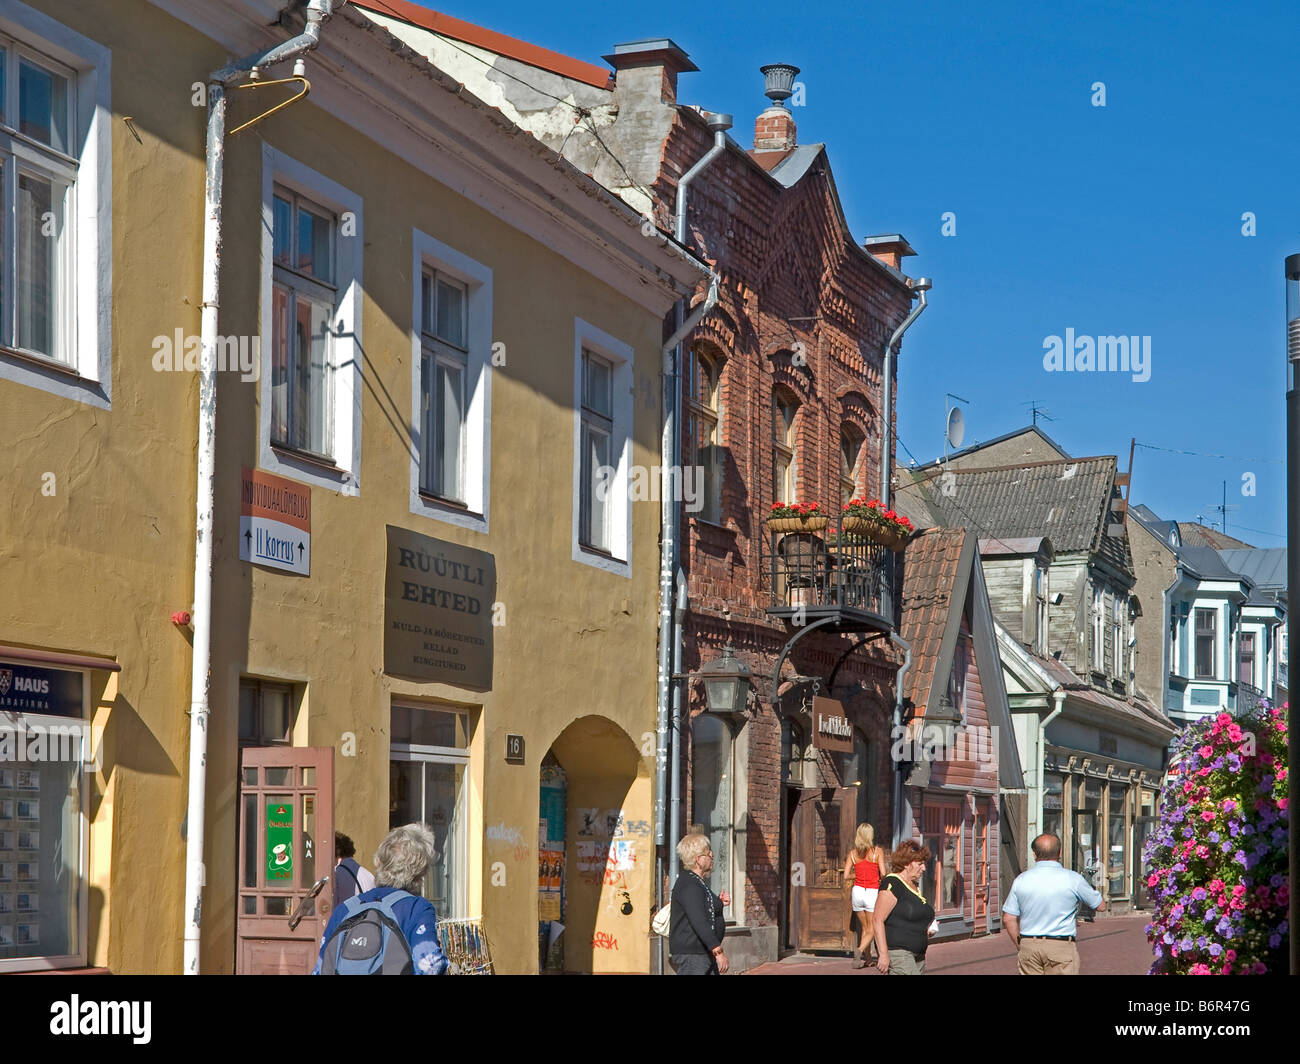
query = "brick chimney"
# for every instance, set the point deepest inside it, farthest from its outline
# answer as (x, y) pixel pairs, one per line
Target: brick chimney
(648, 69)
(775, 129)
(890, 249)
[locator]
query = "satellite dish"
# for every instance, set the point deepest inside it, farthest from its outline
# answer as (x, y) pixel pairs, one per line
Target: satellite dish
(956, 427)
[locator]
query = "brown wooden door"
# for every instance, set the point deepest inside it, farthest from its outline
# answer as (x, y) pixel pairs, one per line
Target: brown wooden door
(821, 835)
(286, 843)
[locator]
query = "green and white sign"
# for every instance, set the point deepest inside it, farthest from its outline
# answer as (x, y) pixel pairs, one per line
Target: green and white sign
(279, 841)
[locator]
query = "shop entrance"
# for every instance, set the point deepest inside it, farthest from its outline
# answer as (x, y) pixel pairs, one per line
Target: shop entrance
(822, 823)
(286, 843)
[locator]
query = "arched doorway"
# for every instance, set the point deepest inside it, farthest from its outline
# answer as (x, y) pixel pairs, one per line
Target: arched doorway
(596, 775)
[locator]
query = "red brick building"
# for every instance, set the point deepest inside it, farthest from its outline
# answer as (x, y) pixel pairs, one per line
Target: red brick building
(783, 399)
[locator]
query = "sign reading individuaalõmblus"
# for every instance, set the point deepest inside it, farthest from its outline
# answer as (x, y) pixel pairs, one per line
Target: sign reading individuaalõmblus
(438, 601)
(275, 522)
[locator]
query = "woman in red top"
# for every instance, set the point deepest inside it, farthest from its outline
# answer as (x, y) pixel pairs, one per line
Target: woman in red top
(866, 864)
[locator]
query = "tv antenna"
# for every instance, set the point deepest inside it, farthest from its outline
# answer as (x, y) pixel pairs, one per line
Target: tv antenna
(1039, 411)
(1223, 509)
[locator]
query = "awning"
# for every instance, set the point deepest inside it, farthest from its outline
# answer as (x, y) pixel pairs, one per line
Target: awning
(49, 657)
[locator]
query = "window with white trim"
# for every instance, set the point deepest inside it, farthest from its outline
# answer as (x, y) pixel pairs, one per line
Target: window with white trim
(55, 207)
(444, 351)
(1117, 634)
(1098, 630)
(597, 447)
(38, 176)
(602, 425)
(310, 427)
(304, 298)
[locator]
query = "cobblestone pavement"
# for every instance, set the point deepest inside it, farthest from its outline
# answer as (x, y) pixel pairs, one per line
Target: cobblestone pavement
(1111, 945)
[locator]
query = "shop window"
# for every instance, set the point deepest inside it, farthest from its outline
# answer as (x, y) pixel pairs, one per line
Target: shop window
(1117, 841)
(857, 772)
(43, 830)
(1086, 854)
(945, 875)
(266, 713)
(427, 784)
(1053, 807)
(712, 793)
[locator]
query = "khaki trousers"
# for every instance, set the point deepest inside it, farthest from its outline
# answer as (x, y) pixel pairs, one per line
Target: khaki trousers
(1046, 956)
(904, 962)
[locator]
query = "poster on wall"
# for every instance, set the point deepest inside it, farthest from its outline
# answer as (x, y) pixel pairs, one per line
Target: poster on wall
(438, 610)
(279, 841)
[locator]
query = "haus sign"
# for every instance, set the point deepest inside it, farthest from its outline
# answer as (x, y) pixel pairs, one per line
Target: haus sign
(831, 727)
(438, 600)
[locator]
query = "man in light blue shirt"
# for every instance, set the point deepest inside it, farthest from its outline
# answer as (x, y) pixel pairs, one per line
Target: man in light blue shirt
(1039, 914)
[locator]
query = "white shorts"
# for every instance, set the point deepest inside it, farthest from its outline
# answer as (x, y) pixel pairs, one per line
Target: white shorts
(864, 899)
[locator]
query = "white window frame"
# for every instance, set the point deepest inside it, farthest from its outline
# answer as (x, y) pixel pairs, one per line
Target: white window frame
(1098, 662)
(87, 375)
(1117, 630)
(429, 253)
(346, 354)
(620, 356)
(444, 755)
(47, 720)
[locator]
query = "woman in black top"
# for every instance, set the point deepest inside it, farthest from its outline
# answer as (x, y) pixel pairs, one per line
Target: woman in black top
(696, 924)
(903, 916)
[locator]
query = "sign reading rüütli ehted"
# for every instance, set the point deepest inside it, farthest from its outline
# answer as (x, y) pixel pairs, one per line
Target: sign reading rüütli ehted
(438, 600)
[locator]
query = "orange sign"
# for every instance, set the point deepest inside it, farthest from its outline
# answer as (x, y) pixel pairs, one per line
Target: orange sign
(275, 522)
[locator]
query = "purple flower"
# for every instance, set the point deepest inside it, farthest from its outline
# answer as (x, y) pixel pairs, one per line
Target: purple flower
(1275, 881)
(1226, 847)
(1211, 915)
(1199, 894)
(1274, 940)
(1200, 942)
(1168, 939)
(1223, 926)
(1188, 832)
(1215, 949)
(1214, 836)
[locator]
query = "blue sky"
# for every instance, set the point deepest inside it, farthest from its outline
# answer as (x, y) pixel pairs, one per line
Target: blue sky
(1124, 219)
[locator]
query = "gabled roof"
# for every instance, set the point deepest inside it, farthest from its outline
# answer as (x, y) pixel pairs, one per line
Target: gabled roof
(480, 37)
(1266, 566)
(974, 448)
(932, 566)
(1198, 535)
(1066, 500)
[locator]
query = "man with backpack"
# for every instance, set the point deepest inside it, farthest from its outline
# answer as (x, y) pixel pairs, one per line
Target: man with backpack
(389, 930)
(350, 878)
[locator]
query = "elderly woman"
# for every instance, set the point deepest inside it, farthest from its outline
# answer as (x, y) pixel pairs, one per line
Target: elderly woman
(904, 919)
(696, 925)
(401, 862)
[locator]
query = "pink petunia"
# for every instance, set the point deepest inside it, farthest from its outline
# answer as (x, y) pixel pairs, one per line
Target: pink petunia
(1207, 816)
(1200, 969)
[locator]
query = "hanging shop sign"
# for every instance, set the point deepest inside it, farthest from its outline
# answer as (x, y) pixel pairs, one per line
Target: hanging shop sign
(832, 729)
(275, 522)
(29, 689)
(279, 841)
(438, 600)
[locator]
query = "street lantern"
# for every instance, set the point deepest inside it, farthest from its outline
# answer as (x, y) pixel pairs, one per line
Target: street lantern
(726, 684)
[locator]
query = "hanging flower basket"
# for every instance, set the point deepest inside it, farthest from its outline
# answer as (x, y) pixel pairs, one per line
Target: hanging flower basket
(796, 517)
(879, 525)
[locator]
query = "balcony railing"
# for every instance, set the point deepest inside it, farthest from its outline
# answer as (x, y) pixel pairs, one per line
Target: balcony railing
(828, 572)
(1248, 698)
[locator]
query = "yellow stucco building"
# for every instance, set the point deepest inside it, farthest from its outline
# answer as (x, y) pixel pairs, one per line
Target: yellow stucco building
(435, 340)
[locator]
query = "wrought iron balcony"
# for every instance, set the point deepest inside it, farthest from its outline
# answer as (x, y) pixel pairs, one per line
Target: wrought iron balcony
(1249, 698)
(848, 580)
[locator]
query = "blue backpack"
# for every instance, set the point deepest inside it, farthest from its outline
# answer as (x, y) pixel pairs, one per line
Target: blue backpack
(369, 940)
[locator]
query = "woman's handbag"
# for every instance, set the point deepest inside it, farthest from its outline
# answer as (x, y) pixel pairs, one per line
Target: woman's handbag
(662, 921)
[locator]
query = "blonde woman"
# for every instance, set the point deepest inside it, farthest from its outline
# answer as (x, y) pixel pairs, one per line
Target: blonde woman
(866, 864)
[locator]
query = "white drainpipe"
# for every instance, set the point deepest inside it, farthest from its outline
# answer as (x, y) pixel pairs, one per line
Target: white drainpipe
(200, 676)
(919, 287)
(1059, 697)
